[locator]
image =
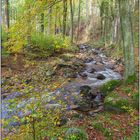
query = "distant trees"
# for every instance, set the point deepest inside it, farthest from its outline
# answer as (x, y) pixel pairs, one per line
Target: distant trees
(66, 17)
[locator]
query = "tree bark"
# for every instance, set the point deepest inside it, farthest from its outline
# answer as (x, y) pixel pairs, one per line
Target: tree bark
(64, 17)
(127, 37)
(49, 21)
(71, 9)
(79, 13)
(7, 13)
(42, 22)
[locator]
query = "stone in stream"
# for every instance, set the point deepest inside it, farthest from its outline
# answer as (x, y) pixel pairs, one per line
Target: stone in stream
(88, 60)
(99, 67)
(100, 76)
(96, 52)
(83, 75)
(83, 47)
(92, 70)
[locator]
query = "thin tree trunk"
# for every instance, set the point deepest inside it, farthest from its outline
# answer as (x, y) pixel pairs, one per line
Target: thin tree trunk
(49, 21)
(79, 13)
(55, 23)
(42, 22)
(7, 13)
(64, 17)
(71, 9)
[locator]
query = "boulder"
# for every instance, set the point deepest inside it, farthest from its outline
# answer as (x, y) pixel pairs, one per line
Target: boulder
(116, 103)
(100, 76)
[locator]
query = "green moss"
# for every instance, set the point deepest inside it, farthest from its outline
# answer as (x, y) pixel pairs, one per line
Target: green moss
(75, 134)
(114, 102)
(131, 79)
(135, 98)
(109, 86)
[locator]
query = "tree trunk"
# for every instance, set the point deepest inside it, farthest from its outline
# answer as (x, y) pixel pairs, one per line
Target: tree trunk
(42, 22)
(49, 21)
(87, 9)
(71, 9)
(64, 17)
(79, 13)
(127, 36)
(7, 13)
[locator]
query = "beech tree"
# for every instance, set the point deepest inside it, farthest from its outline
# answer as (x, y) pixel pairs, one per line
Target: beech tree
(127, 37)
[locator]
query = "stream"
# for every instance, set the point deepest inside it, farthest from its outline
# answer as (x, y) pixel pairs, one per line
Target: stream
(82, 93)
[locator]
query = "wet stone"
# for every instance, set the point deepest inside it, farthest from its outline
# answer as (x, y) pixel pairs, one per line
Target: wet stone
(92, 70)
(100, 76)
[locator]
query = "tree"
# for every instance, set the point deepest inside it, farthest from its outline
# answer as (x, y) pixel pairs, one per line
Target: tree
(71, 11)
(7, 13)
(79, 13)
(64, 17)
(127, 37)
(42, 22)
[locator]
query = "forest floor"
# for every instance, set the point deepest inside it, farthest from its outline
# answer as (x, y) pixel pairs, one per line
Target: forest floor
(23, 74)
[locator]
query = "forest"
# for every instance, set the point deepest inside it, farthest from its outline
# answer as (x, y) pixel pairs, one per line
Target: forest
(69, 69)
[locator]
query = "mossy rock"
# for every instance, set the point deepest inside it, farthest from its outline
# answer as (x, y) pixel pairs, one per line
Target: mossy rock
(109, 86)
(75, 134)
(116, 103)
(135, 98)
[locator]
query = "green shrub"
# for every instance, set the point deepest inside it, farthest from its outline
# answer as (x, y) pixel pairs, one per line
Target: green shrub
(75, 134)
(48, 43)
(109, 86)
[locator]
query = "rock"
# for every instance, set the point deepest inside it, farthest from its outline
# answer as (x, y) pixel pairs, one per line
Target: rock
(100, 108)
(83, 47)
(83, 75)
(100, 76)
(92, 70)
(115, 102)
(99, 60)
(99, 67)
(110, 66)
(91, 113)
(76, 133)
(96, 52)
(51, 106)
(83, 108)
(72, 75)
(88, 60)
(98, 98)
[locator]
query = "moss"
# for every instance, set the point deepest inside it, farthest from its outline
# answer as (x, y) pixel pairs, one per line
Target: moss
(75, 134)
(114, 102)
(131, 79)
(135, 98)
(109, 86)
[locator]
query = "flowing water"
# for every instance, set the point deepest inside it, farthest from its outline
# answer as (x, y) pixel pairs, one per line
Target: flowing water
(96, 73)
